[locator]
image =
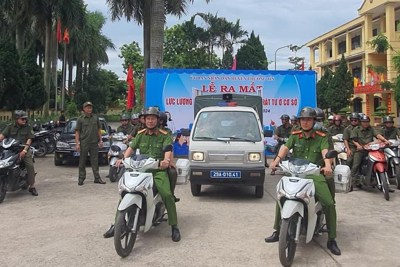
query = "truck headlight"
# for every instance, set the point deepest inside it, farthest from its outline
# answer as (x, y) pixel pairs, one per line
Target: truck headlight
(60, 144)
(198, 156)
(254, 156)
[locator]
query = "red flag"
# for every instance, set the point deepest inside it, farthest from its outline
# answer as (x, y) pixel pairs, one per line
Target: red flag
(130, 99)
(66, 36)
(59, 35)
(301, 66)
(142, 92)
(234, 63)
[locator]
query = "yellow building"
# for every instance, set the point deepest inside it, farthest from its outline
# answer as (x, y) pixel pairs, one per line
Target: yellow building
(350, 39)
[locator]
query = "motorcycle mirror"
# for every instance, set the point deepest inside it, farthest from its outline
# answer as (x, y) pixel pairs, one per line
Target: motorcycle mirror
(168, 148)
(331, 154)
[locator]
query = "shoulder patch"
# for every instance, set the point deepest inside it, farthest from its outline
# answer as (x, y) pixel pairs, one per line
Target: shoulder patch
(297, 132)
(141, 131)
(320, 133)
(163, 131)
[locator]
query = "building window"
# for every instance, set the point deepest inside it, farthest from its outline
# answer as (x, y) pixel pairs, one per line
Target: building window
(357, 105)
(375, 32)
(342, 47)
(330, 52)
(355, 42)
(396, 25)
(377, 102)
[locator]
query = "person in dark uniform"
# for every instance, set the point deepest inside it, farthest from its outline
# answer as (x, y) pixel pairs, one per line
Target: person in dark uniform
(23, 132)
(337, 127)
(88, 140)
(151, 141)
(294, 121)
(283, 131)
(61, 120)
(126, 127)
(350, 146)
(311, 145)
(363, 135)
(388, 129)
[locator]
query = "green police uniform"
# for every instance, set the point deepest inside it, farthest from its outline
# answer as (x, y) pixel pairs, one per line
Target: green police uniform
(88, 127)
(126, 129)
(390, 133)
(153, 145)
(346, 136)
(310, 149)
(363, 136)
(22, 133)
(334, 130)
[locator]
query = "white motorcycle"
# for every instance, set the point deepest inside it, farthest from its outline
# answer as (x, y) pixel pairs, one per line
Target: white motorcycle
(117, 148)
(392, 154)
(300, 211)
(141, 205)
(338, 145)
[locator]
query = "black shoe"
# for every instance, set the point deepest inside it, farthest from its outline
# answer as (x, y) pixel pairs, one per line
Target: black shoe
(177, 199)
(99, 181)
(176, 235)
(333, 247)
(80, 182)
(110, 232)
(33, 191)
(273, 238)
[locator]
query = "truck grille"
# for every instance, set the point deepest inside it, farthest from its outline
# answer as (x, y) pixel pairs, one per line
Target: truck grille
(234, 156)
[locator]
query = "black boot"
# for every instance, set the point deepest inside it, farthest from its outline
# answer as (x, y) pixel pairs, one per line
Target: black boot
(177, 199)
(110, 232)
(273, 238)
(333, 247)
(176, 235)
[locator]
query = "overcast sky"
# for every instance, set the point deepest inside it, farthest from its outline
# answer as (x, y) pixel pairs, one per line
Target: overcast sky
(278, 23)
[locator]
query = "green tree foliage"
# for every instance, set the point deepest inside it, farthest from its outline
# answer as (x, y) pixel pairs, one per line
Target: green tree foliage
(227, 59)
(35, 94)
(340, 87)
(183, 48)
(11, 77)
(323, 89)
(251, 55)
(131, 54)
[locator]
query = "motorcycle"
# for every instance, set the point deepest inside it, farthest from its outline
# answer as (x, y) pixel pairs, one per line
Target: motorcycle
(40, 142)
(393, 158)
(13, 174)
(140, 206)
(373, 169)
(300, 211)
(338, 145)
(118, 147)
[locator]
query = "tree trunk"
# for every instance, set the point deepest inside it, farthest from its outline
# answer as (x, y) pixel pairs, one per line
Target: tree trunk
(54, 56)
(70, 69)
(19, 39)
(78, 77)
(157, 33)
(47, 67)
(146, 40)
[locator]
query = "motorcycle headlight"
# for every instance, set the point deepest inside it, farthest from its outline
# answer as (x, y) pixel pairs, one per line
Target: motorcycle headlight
(113, 153)
(254, 156)
(198, 156)
(60, 144)
(106, 144)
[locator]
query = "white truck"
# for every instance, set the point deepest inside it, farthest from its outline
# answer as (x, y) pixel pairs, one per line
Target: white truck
(227, 142)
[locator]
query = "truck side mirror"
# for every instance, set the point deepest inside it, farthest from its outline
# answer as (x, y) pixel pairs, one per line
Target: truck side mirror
(268, 133)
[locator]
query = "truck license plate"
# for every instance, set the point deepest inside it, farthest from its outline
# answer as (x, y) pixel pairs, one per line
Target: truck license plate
(226, 174)
(76, 154)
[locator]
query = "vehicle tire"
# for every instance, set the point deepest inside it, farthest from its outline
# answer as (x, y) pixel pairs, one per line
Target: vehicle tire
(41, 149)
(124, 235)
(57, 162)
(385, 185)
(113, 174)
(195, 188)
(51, 147)
(397, 174)
(287, 244)
(259, 191)
(3, 189)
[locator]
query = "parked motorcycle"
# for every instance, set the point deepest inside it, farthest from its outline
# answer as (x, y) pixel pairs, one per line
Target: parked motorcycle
(393, 159)
(140, 206)
(13, 174)
(300, 211)
(40, 142)
(373, 169)
(118, 147)
(338, 145)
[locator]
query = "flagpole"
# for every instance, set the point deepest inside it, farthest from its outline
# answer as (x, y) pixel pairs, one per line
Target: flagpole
(55, 78)
(63, 76)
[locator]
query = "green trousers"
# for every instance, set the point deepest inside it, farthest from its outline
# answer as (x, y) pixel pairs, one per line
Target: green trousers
(357, 160)
(93, 149)
(164, 189)
(29, 167)
(323, 194)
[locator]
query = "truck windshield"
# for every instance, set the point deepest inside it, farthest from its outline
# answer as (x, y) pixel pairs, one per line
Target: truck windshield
(232, 125)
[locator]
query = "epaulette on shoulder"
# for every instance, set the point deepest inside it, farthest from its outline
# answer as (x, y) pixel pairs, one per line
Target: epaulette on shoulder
(296, 132)
(164, 132)
(320, 133)
(141, 131)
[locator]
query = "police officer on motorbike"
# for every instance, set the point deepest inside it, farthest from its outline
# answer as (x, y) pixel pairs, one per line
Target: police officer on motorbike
(350, 146)
(305, 143)
(126, 127)
(336, 127)
(283, 131)
(22, 131)
(388, 129)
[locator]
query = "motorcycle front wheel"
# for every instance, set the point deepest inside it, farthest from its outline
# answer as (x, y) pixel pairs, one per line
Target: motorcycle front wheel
(3, 189)
(124, 234)
(40, 149)
(385, 185)
(287, 243)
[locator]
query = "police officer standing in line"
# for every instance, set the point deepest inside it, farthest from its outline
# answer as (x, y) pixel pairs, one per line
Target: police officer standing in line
(88, 139)
(294, 121)
(330, 120)
(22, 131)
(362, 135)
(283, 131)
(126, 127)
(305, 143)
(388, 129)
(151, 141)
(350, 146)
(336, 127)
